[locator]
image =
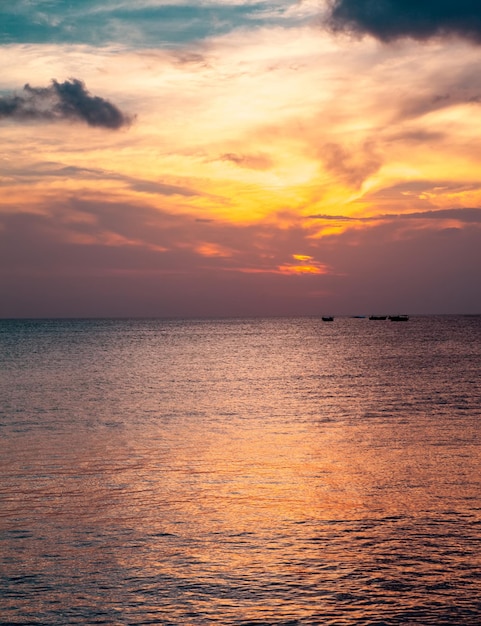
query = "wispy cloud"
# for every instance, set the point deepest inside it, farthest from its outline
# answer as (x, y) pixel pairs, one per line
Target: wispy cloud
(464, 215)
(250, 161)
(39, 172)
(69, 101)
(147, 23)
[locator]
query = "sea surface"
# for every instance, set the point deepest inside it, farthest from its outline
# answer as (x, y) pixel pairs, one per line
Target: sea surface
(240, 472)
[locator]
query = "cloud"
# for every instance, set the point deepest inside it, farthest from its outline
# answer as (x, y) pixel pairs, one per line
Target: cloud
(142, 23)
(388, 20)
(465, 215)
(69, 100)
(352, 166)
(36, 172)
(249, 161)
(121, 236)
(333, 218)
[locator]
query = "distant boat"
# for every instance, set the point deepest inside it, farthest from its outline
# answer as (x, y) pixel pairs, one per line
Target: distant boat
(378, 317)
(399, 318)
(327, 318)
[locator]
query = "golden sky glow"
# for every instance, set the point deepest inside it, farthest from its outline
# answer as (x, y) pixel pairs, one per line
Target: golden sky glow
(262, 149)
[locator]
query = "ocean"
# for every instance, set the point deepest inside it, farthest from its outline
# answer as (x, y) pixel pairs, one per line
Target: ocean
(240, 472)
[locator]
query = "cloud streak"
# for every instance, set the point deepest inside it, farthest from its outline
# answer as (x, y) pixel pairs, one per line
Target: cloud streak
(67, 101)
(388, 20)
(465, 215)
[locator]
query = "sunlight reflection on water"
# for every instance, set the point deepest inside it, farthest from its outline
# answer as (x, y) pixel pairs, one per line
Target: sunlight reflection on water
(241, 472)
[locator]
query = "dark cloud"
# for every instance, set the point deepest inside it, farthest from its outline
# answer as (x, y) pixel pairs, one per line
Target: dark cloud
(69, 100)
(388, 20)
(333, 218)
(464, 215)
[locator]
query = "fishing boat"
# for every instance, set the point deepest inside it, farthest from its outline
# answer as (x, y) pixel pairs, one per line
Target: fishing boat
(378, 317)
(327, 318)
(399, 318)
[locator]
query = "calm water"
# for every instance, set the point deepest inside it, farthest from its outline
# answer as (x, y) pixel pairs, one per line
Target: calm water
(247, 472)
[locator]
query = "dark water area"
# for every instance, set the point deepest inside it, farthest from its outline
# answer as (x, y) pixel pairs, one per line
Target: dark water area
(240, 472)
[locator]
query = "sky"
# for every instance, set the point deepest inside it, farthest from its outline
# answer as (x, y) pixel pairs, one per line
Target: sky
(170, 158)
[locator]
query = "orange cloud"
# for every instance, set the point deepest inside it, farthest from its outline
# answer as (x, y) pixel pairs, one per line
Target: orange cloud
(213, 250)
(304, 264)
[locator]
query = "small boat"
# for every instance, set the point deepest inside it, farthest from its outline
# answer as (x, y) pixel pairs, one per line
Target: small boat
(399, 318)
(378, 317)
(327, 318)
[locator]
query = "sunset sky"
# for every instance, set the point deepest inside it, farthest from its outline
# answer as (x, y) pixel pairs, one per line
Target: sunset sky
(239, 157)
